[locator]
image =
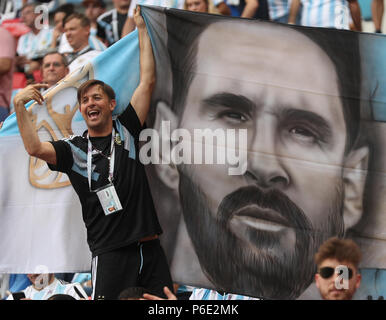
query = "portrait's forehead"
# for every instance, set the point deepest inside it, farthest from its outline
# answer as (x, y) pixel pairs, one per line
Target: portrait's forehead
(259, 51)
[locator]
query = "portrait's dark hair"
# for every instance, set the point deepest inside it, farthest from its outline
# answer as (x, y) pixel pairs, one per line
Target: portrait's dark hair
(132, 293)
(343, 250)
(342, 47)
(61, 296)
(94, 82)
(84, 21)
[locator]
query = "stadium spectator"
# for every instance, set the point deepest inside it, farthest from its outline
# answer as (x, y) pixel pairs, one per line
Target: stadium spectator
(59, 15)
(113, 21)
(93, 9)
(122, 225)
(54, 68)
(7, 55)
(61, 41)
(33, 44)
(377, 10)
(278, 10)
(77, 31)
(338, 275)
(253, 9)
(46, 285)
(129, 25)
(222, 7)
(329, 14)
(196, 5)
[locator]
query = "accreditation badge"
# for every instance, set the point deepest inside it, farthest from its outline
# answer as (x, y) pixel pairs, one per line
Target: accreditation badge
(108, 199)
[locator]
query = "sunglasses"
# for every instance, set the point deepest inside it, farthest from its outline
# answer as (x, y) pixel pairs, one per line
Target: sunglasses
(327, 272)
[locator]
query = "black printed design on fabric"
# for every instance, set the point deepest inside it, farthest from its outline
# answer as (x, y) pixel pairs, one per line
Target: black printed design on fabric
(138, 218)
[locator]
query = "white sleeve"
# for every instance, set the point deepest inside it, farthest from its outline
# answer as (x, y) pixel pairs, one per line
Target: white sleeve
(77, 293)
(217, 2)
(133, 4)
(19, 46)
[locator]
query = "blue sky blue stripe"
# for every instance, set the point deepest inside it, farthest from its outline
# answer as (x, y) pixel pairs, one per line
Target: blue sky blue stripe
(132, 148)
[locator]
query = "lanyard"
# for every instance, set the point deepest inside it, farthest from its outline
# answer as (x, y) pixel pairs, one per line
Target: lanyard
(114, 23)
(111, 159)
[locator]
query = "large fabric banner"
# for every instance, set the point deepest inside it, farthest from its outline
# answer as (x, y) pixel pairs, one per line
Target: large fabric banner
(263, 140)
(269, 140)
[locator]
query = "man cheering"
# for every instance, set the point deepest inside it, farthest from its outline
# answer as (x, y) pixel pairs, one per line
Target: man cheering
(104, 169)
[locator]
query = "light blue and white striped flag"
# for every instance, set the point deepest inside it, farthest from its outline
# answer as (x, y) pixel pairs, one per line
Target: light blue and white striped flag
(41, 222)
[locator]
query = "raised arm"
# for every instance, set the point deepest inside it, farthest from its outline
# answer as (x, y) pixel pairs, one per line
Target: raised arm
(293, 12)
(250, 8)
(355, 11)
(142, 94)
(32, 143)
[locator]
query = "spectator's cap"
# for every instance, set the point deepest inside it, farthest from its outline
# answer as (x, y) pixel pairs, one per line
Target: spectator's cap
(101, 3)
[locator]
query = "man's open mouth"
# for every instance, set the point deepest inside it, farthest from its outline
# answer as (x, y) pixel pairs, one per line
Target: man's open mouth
(93, 114)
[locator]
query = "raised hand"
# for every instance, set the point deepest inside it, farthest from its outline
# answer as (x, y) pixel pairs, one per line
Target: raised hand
(31, 92)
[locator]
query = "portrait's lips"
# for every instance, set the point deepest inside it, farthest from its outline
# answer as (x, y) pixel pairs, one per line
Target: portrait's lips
(254, 216)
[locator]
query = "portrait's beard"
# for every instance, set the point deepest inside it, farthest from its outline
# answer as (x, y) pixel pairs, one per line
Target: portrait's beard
(264, 269)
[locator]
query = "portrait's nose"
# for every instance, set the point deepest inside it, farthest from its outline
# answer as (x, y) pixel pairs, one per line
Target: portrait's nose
(266, 167)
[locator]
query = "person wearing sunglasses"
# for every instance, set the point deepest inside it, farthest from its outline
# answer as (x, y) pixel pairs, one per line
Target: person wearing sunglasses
(338, 276)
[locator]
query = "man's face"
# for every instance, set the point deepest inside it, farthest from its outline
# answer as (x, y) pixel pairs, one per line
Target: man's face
(76, 34)
(96, 109)
(40, 280)
(121, 4)
(58, 21)
(93, 11)
(53, 69)
(196, 5)
(258, 232)
(327, 286)
(28, 16)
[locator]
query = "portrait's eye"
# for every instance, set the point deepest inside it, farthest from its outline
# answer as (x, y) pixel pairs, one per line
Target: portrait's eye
(232, 116)
(304, 134)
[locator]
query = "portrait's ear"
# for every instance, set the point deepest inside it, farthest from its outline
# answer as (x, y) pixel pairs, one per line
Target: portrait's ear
(354, 179)
(166, 170)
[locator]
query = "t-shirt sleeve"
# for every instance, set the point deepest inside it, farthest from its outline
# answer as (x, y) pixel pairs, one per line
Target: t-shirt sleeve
(64, 159)
(7, 50)
(130, 121)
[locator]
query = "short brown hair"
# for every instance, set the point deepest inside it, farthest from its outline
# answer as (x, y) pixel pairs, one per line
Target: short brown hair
(84, 21)
(64, 59)
(343, 250)
(94, 82)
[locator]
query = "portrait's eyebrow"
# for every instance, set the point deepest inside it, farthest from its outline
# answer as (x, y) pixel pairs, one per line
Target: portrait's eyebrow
(312, 119)
(230, 100)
